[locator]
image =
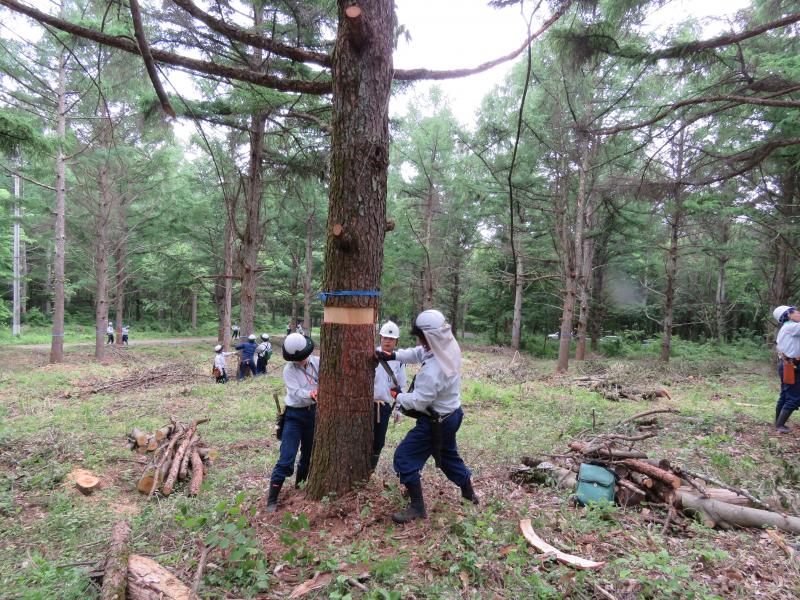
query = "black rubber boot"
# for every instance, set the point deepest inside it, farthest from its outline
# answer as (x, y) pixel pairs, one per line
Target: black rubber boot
(374, 461)
(272, 499)
(780, 424)
(415, 510)
(467, 493)
(777, 413)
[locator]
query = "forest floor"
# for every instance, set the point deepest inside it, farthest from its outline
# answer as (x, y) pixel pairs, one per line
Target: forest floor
(52, 537)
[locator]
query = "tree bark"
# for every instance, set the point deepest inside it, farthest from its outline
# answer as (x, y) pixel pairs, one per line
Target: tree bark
(720, 299)
(307, 292)
(585, 278)
(101, 260)
(353, 258)
(254, 228)
(675, 224)
(293, 285)
(115, 575)
(194, 310)
(516, 324)
(16, 288)
(59, 222)
(227, 298)
(427, 232)
(120, 258)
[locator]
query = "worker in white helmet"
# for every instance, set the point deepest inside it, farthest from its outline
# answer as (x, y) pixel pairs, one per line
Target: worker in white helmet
(219, 372)
(788, 344)
(263, 354)
(301, 376)
(434, 399)
(247, 362)
(389, 374)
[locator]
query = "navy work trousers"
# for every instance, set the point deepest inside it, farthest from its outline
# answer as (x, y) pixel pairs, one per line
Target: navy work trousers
(417, 447)
(790, 393)
(298, 433)
(244, 365)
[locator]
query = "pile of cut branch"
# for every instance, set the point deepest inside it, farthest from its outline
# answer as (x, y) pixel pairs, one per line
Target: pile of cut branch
(164, 375)
(175, 449)
(640, 478)
(614, 389)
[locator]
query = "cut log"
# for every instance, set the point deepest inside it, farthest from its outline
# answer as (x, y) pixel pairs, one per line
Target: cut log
(189, 438)
(720, 494)
(163, 432)
(184, 470)
(87, 484)
(642, 481)
(654, 472)
(152, 443)
(583, 448)
(147, 580)
(197, 474)
(726, 516)
(140, 437)
(115, 574)
(562, 557)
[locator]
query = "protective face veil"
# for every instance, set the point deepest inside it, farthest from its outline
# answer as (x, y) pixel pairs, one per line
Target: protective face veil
(297, 347)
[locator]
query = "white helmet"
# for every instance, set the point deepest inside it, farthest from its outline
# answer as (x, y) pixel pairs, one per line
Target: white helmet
(390, 330)
(218, 348)
(781, 313)
(251, 337)
(429, 319)
(265, 337)
(297, 347)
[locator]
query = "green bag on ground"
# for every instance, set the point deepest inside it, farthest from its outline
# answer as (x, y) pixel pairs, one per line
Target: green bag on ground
(595, 484)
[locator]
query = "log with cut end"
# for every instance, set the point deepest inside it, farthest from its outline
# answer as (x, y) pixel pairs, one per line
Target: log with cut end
(583, 448)
(562, 557)
(721, 514)
(147, 580)
(87, 483)
(189, 438)
(197, 474)
(653, 471)
(139, 436)
(115, 573)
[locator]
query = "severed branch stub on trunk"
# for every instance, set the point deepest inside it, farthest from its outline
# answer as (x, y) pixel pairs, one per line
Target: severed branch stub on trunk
(175, 451)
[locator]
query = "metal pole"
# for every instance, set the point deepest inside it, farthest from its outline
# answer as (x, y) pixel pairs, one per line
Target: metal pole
(17, 304)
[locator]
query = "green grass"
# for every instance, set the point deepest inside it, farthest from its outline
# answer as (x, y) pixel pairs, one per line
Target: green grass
(50, 427)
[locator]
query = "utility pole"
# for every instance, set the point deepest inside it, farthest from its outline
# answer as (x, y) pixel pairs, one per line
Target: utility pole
(15, 330)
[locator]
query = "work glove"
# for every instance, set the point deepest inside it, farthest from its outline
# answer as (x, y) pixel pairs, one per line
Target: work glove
(394, 391)
(380, 355)
(313, 395)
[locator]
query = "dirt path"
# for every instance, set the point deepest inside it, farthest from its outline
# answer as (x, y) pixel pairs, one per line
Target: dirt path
(134, 342)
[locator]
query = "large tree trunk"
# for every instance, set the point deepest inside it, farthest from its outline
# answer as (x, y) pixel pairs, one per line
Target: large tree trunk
(308, 278)
(585, 279)
(120, 258)
(254, 229)
(455, 295)
(362, 75)
(193, 317)
(516, 323)
(16, 287)
(59, 221)
(427, 232)
(675, 224)
(101, 261)
(227, 298)
(721, 300)
(293, 285)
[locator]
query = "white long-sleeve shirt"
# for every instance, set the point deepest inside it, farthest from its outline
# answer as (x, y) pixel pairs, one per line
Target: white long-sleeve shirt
(300, 382)
(384, 383)
(262, 348)
(432, 388)
(219, 359)
(789, 339)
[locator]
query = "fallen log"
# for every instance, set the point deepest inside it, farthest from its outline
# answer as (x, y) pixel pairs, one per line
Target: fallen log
(585, 449)
(652, 471)
(115, 574)
(562, 557)
(147, 580)
(721, 514)
(190, 437)
(197, 474)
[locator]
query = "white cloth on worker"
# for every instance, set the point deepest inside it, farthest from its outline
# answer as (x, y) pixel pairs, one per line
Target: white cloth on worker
(300, 382)
(125, 330)
(432, 386)
(110, 329)
(789, 339)
(263, 348)
(219, 359)
(445, 348)
(384, 383)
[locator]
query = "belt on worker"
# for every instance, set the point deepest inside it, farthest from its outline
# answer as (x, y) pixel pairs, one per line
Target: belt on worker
(309, 407)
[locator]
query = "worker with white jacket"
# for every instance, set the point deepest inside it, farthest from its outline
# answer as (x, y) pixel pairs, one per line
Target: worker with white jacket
(301, 377)
(388, 374)
(788, 345)
(434, 399)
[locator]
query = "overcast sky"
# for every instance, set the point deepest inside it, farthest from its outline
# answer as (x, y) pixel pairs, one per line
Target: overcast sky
(448, 35)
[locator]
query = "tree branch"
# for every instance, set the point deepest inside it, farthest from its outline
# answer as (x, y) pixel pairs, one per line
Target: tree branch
(420, 74)
(144, 50)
